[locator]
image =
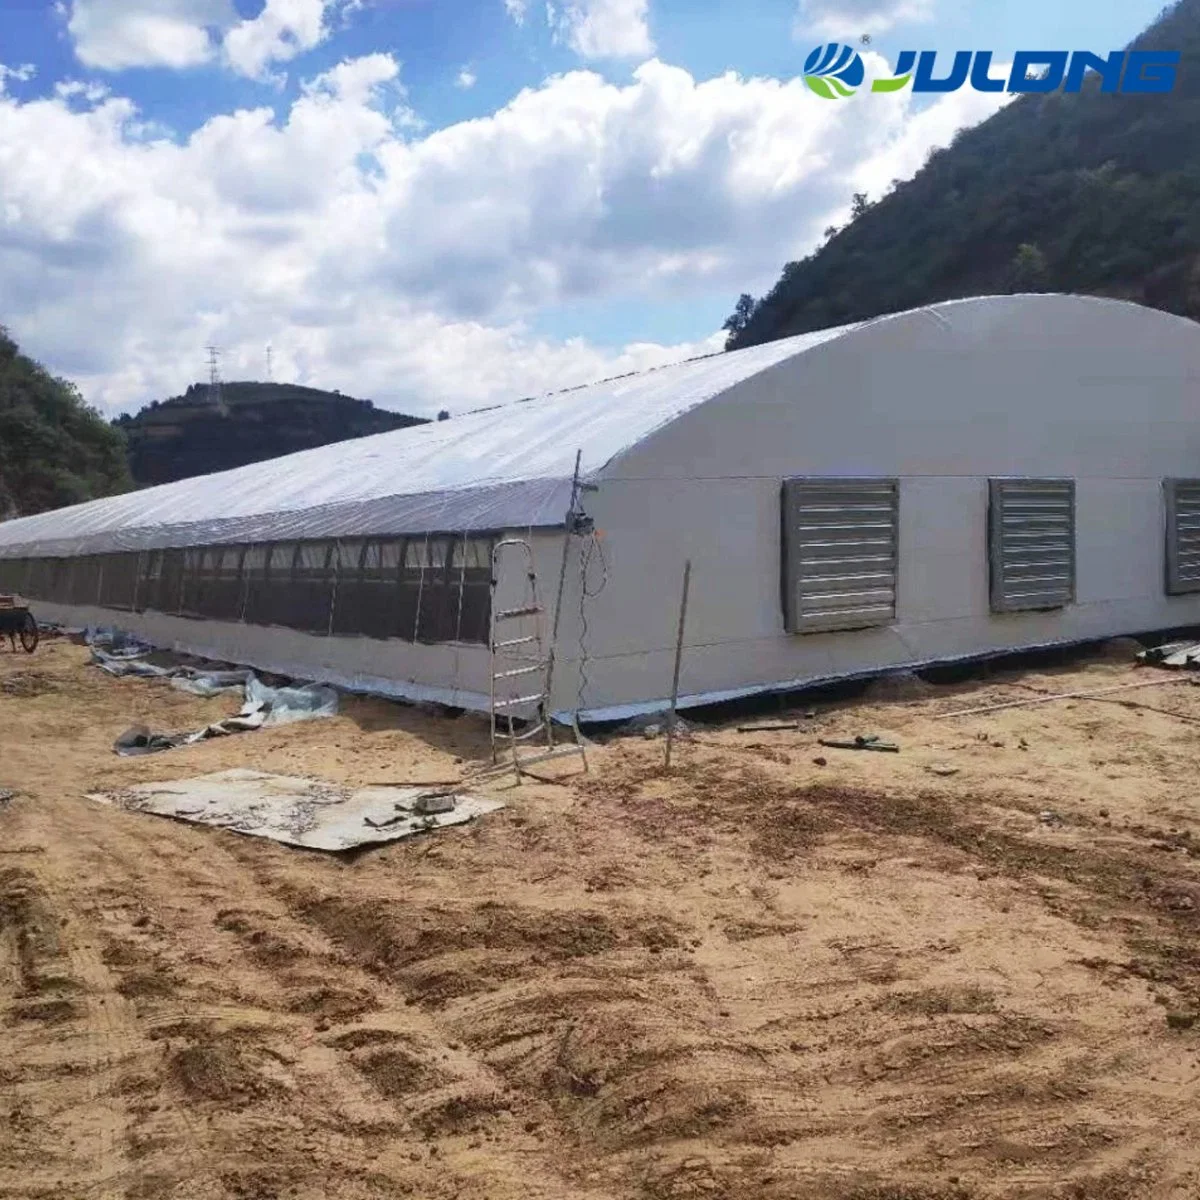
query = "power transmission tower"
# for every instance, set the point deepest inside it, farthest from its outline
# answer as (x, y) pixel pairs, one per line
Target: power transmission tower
(214, 379)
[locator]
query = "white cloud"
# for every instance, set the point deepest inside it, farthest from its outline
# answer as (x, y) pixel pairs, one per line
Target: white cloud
(77, 89)
(22, 74)
(850, 19)
(603, 28)
(412, 268)
(466, 78)
(284, 29)
(113, 35)
(517, 10)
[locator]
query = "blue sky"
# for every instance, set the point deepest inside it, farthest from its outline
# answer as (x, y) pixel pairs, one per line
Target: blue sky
(442, 204)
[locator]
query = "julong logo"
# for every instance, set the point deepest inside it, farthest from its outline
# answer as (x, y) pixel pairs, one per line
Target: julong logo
(836, 71)
(832, 71)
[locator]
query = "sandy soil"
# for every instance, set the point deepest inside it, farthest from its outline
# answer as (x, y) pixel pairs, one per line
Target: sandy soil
(759, 976)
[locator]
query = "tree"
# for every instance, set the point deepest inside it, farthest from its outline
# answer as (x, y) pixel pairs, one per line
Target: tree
(444, 415)
(1028, 271)
(742, 315)
(54, 449)
(831, 231)
(859, 205)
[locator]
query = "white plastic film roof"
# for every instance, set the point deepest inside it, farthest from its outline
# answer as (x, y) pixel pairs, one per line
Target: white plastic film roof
(508, 467)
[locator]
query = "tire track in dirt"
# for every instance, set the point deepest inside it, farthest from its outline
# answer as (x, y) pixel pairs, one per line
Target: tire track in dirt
(258, 1029)
(97, 1042)
(78, 1133)
(586, 1012)
(741, 980)
(600, 1013)
(1016, 1133)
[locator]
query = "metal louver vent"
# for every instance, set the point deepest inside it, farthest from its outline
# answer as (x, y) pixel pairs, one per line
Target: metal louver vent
(839, 553)
(1183, 535)
(1032, 543)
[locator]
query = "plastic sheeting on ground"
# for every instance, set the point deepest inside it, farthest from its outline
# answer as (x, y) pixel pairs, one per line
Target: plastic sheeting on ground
(307, 813)
(211, 683)
(264, 705)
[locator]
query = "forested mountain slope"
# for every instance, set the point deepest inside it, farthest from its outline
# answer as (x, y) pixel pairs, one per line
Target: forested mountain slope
(1091, 193)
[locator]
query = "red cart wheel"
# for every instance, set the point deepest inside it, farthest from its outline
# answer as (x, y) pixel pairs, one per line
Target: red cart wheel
(29, 634)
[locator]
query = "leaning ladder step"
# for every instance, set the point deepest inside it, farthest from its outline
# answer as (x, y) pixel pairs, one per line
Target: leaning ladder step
(558, 752)
(520, 671)
(526, 734)
(514, 701)
(529, 610)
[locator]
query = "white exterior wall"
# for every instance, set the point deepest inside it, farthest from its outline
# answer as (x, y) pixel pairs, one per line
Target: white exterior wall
(1106, 394)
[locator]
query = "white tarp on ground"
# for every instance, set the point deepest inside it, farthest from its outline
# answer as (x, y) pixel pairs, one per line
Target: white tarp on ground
(508, 467)
(308, 813)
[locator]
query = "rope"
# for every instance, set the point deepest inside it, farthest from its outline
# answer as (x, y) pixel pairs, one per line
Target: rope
(590, 551)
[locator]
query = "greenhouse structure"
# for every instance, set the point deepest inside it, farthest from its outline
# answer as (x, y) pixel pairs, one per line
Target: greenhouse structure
(966, 479)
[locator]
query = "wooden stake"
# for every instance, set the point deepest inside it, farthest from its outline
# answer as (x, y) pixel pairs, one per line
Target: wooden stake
(687, 578)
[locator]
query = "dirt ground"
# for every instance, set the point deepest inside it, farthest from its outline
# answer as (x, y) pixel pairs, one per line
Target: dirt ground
(781, 971)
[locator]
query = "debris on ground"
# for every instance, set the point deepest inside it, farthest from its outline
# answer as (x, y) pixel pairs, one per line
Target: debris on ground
(861, 742)
(264, 705)
(211, 683)
(653, 725)
(6, 794)
(1050, 817)
(120, 665)
(770, 727)
(942, 769)
(1178, 655)
(127, 655)
(138, 739)
(434, 802)
(307, 813)
(1181, 1020)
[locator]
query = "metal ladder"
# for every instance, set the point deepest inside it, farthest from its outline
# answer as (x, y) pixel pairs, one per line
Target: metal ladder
(519, 665)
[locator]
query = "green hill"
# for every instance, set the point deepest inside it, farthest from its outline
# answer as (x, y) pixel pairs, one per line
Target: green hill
(54, 449)
(1090, 193)
(191, 435)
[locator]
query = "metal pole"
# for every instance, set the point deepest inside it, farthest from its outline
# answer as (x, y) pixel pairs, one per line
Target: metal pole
(337, 570)
(562, 582)
(687, 578)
